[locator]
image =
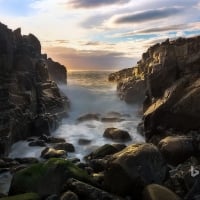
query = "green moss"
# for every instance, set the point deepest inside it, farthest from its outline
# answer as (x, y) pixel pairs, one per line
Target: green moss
(27, 196)
(46, 178)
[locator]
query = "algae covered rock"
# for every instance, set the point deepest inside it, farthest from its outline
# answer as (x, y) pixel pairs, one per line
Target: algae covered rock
(46, 178)
(26, 196)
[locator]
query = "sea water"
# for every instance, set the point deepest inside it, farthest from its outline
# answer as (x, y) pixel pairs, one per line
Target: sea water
(89, 92)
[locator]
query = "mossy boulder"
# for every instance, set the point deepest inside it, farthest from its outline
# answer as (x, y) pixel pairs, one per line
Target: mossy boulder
(46, 178)
(26, 196)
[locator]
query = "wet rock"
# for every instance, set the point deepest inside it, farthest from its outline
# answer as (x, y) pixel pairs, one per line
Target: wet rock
(69, 196)
(158, 192)
(84, 141)
(176, 149)
(27, 160)
(101, 152)
(98, 165)
(111, 119)
(68, 147)
(119, 147)
(52, 153)
(89, 116)
(116, 134)
(55, 140)
(46, 178)
(133, 168)
(39, 143)
(87, 191)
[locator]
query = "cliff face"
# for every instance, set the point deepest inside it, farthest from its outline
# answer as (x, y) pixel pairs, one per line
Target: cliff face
(169, 82)
(30, 102)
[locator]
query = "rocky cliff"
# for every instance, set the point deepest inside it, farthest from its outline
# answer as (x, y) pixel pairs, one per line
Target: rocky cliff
(30, 102)
(167, 79)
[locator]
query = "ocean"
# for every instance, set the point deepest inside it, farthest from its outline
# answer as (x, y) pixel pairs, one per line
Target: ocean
(89, 92)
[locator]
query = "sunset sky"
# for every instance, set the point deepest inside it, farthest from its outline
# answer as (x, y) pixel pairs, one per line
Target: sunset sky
(101, 34)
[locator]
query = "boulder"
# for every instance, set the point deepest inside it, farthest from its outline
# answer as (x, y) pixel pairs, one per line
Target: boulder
(69, 196)
(84, 141)
(102, 151)
(87, 191)
(117, 134)
(68, 147)
(46, 178)
(176, 149)
(40, 143)
(89, 116)
(158, 192)
(53, 153)
(131, 169)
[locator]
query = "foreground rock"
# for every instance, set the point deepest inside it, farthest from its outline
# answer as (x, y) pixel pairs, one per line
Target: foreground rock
(30, 102)
(133, 168)
(176, 149)
(53, 153)
(158, 192)
(46, 178)
(117, 134)
(89, 116)
(86, 191)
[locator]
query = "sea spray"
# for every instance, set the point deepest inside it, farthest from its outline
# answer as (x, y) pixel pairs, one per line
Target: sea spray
(89, 92)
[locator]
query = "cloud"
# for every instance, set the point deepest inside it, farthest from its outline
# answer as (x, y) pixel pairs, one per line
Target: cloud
(147, 15)
(91, 43)
(94, 3)
(82, 59)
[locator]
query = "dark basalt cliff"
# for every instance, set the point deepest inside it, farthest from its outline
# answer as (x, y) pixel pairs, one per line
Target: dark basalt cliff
(167, 81)
(30, 102)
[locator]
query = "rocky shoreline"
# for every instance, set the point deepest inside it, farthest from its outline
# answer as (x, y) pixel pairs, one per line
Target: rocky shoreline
(166, 167)
(30, 102)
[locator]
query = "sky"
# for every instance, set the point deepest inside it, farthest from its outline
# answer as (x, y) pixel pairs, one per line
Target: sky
(101, 34)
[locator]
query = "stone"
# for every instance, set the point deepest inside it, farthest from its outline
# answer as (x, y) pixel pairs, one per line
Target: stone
(46, 178)
(176, 149)
(55, 140)
(131, 169)
(84, 141)
(158, 192)
(111, 119)
(69, 196)
(39, 143)
(68, 147)
(101, 152)
(53, 153)
(117, 134)
(89, 116)
(87, 191)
